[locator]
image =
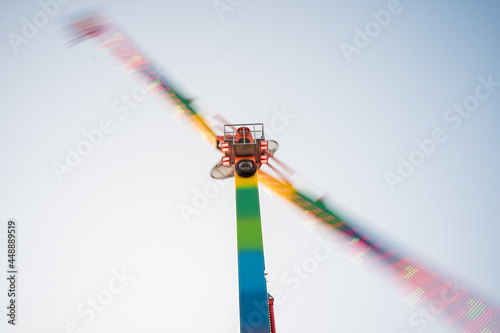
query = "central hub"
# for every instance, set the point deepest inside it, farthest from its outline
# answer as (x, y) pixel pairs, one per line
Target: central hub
(244, 141)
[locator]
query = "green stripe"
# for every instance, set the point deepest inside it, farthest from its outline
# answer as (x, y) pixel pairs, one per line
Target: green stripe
(247, 202)
(473, 305)
(478, 312)
(249, 226)
(251, 279)
(249, 234)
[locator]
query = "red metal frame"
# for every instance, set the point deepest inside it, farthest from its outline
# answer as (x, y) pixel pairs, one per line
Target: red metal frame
(271, 313)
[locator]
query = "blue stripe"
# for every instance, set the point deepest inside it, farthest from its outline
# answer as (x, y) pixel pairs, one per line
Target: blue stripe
(254, 311)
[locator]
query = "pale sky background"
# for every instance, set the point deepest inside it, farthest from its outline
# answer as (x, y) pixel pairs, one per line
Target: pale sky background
(120, 209)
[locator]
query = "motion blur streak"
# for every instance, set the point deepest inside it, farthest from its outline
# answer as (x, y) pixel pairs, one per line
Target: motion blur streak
(112, 41)
(415, 283)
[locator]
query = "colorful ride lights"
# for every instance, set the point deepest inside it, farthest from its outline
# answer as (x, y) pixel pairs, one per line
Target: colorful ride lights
(224, 147)
(264, 145)
(226, 160)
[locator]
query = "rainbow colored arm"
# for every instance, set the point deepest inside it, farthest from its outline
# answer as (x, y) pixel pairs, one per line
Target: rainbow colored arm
(416, 284)
(114, 42)
(254, 310)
